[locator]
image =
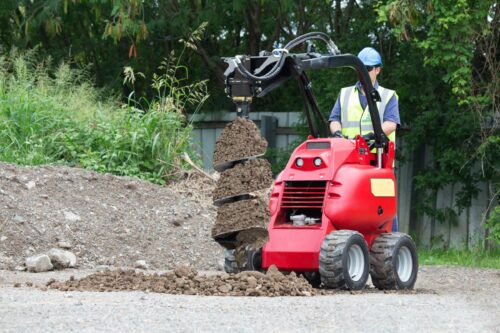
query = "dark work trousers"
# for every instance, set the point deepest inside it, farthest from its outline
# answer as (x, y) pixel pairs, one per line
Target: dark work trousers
(395, 220)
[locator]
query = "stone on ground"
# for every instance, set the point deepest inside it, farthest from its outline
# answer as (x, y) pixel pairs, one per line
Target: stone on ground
(141, 264)
(61, 259)
(38, 263)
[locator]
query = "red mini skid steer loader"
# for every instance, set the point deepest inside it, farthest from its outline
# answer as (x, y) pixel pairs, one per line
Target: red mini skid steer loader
(332, 207)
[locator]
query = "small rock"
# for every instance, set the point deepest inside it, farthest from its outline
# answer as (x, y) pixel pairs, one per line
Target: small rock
(39, 263)
(30, 185)
(141, 264)
(64, 245)
(3, 238)
(102, 267)
(252, 282)
(185, 271)
(131, 186)
(20, 268)
(61, 259)
(72, 217)
(225, 288)
(17, 285)
(19, 218)
(177, 223)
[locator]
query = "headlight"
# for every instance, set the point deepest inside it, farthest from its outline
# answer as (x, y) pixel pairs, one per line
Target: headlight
(317, 161)
(299, 162)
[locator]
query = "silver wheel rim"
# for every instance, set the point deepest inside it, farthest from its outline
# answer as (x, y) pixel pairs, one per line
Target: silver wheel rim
(405, 264)
(355, 262)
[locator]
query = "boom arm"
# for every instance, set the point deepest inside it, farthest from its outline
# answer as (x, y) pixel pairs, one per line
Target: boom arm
(247, 77)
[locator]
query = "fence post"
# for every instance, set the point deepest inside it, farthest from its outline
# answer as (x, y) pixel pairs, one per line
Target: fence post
(268, 127)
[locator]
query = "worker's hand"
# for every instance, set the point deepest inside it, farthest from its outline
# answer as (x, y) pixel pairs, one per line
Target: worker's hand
(369, 137)
(338, 134)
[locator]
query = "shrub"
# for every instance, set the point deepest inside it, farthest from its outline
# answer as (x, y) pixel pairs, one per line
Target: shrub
(58, 116)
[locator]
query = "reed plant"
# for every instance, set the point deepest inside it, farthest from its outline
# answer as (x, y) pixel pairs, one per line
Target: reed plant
(53, 114)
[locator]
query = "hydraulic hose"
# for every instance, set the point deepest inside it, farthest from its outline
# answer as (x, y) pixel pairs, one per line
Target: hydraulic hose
(273, 72)
(276, 69)
(314, 35)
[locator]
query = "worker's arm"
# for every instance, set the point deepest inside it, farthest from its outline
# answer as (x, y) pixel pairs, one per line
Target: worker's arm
(335, 118)
(387, 126)
(335, 126)
(391, 116)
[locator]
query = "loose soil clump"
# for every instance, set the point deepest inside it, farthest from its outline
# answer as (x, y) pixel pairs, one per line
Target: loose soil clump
(239, 139)
(187, 281)
(249, 176)
(241, 215)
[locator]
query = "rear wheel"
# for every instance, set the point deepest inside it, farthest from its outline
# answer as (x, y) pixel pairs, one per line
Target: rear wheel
(393, 261)
(239, 260)
(313, 278)
(230, 265)
(344, 260)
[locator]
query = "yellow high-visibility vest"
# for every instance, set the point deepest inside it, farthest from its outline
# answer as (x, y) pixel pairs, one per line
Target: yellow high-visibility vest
(351, 112)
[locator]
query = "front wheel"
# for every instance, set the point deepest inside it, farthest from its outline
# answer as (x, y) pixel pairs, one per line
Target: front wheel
(344, 260)
(394, 261)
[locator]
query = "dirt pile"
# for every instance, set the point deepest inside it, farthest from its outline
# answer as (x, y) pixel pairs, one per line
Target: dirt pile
(105, 219)
(246, 177)
(239, 139)
(187, 281)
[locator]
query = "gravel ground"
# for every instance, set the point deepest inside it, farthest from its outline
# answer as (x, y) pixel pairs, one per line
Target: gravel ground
(451, 299)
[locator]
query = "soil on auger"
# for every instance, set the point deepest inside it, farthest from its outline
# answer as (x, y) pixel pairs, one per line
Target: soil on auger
(239, 139)
(252, 175)
(241, 215)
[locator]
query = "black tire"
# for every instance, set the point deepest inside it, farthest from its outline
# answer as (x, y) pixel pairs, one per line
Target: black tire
(344, 251)
(252, 261)
(390, 266)
(230, 264)
(313, 278)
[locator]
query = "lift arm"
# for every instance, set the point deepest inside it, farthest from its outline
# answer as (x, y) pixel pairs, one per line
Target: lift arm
(249, 77)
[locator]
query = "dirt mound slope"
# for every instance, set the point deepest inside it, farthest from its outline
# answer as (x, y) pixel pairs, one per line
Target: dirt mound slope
(241, 215)
(246, 177)
(108, 220)
(239, 139)
(187, 281)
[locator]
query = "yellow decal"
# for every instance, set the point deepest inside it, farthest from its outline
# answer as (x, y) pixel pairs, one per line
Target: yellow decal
(383, 187)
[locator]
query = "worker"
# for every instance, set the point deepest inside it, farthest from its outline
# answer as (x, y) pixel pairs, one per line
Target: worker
(351, 106)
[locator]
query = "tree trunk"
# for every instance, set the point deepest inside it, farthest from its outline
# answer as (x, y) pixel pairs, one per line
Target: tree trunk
(252, 18)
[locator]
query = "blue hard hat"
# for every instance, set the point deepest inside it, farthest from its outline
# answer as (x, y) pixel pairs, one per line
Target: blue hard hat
(370, 57)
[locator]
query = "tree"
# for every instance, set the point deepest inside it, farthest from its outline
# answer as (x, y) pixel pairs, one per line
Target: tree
(458, 41)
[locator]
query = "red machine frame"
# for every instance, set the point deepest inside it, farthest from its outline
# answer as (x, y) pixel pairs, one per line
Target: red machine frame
(347, 169)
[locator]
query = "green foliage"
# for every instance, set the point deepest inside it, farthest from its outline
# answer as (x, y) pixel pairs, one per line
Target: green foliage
(493, 224)
(477, 257)
(58, 117)
(458, 79)
(440, 56)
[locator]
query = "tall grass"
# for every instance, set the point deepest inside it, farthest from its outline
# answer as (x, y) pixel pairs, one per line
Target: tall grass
(57, 116)
(476, 257)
